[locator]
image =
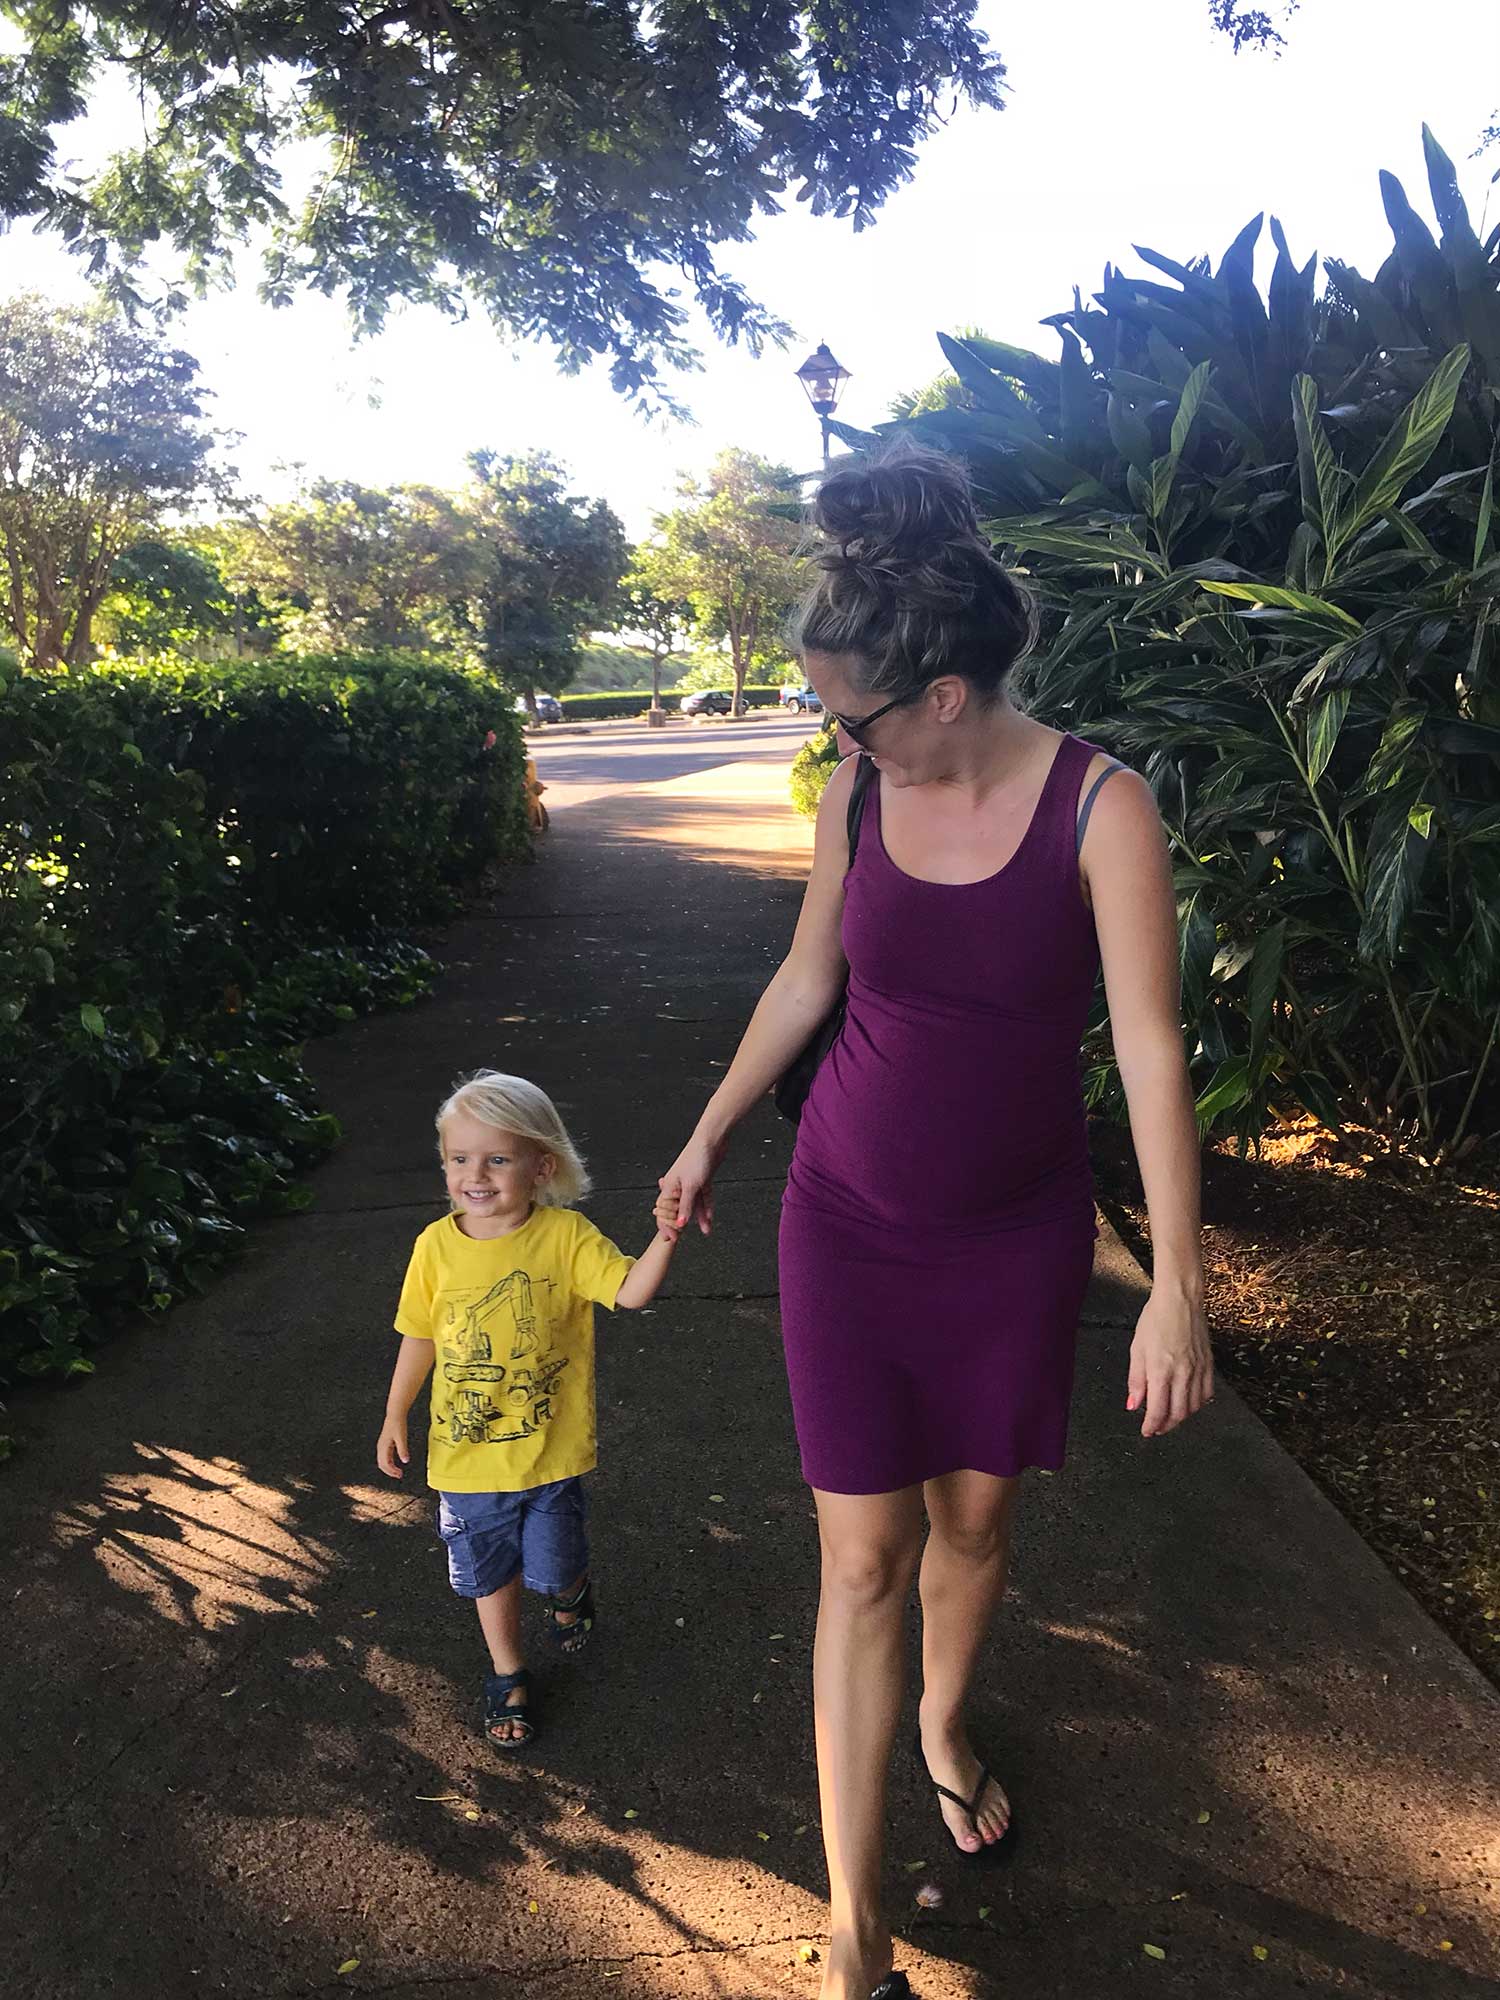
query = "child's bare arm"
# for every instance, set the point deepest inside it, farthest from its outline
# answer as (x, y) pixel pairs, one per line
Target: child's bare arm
(414, 1362)
(643, 1281)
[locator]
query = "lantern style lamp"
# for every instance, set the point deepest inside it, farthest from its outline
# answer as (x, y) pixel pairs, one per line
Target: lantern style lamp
(823, 379)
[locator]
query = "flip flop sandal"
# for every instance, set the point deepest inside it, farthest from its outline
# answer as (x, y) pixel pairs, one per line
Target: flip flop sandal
(497, 1710)
(988, 1851)
(574, 1636)
(897, 1987)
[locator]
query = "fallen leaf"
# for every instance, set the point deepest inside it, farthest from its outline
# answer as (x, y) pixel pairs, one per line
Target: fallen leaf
(984, 1910)
(1259, 1951)
(632, 1813)
(369, 1614)
(755, 1696)
(229, 1691)
(471, 1814)
(717, 1497)
(778, 1635)
(800, 1830)
(1153, 1951)
(1204, 1818)
(1180, 1896)
(349, 1965)
(911, 1867)
(1446, 1944)
(808, 1953)
(676, 1621)
(762, 1836)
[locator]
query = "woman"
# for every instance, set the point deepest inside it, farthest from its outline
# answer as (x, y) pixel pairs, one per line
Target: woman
(937, 1231)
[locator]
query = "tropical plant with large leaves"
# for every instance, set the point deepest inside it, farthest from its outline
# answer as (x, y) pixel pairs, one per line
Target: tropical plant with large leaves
(1262, 530)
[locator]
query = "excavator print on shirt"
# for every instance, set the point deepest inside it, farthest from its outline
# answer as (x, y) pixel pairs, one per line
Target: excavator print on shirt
(516, 1395)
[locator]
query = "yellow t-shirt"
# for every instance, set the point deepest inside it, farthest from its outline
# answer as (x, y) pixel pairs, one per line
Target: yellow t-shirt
(512, 1319)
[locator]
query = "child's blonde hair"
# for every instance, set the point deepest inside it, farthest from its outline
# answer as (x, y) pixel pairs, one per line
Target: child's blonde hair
(511, 1104)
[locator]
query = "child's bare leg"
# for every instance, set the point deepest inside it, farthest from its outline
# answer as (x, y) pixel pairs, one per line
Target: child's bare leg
(500, 1621)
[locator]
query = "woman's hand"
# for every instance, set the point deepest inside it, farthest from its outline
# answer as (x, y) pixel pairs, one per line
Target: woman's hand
(1171, 1362)
(690, 1182)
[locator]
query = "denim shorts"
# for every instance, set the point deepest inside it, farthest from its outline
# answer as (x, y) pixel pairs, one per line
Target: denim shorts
(542, 1533)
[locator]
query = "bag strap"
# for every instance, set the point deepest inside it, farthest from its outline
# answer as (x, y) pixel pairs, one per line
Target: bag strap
(1088, 804)
(858, 792)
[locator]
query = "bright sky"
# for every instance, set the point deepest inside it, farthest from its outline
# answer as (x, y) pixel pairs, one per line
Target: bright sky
(1125, 125)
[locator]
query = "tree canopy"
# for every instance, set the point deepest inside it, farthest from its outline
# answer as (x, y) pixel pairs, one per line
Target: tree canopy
(365, 567)
(101, 433)
(553, 566)
(559, 161)
(731, 551)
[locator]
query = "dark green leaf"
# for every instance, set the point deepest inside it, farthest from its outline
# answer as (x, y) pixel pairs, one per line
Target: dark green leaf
(1323, 729)
(1265, 978)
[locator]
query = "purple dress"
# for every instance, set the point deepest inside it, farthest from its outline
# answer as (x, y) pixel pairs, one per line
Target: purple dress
(938, 1226)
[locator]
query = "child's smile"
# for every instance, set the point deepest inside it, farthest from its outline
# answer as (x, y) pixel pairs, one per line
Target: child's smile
(491, 1175)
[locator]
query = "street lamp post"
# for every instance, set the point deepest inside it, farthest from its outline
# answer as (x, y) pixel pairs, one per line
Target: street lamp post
(823, 379)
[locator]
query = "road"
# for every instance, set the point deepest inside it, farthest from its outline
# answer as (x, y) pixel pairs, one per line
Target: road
(580, 762)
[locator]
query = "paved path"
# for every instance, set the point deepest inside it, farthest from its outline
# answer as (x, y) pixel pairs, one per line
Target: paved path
(586, 761)
(238, 1749)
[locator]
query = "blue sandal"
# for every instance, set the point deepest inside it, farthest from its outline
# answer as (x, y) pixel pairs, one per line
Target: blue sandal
(497, 1710)
(575, 1635)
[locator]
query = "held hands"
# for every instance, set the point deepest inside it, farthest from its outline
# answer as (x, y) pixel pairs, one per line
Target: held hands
(391, 1452)
(665, 1211)
(688, 1184)
(1171, 1362)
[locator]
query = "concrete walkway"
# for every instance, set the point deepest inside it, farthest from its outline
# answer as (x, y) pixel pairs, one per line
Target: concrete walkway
(238, 1748)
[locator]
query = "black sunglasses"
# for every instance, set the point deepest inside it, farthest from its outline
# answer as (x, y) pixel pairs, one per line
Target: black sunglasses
(854, 727)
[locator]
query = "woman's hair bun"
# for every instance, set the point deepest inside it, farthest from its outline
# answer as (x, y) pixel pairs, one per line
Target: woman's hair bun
(909, 586)
(901, 504)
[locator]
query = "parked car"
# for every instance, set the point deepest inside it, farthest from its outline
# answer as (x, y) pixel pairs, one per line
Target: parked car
(709, 701)
(799, 698)
(548, 707)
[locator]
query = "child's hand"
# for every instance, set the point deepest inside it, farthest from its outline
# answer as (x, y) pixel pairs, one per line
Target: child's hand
(392, 1447)
(665, 1212)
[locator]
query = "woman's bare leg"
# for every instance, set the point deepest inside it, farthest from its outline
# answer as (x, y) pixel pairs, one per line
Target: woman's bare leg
(870, 1545)
(963, 1576)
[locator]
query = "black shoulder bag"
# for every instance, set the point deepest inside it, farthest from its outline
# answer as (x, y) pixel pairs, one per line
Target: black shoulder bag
(790, 1093)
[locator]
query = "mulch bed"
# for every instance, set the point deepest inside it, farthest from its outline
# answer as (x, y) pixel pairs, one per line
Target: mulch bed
(1355, 1305)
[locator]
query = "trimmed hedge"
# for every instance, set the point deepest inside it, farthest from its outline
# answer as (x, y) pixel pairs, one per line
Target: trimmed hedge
(198, 867)
(635, 701)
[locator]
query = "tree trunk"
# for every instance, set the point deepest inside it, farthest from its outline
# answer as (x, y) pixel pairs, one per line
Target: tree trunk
(737, 660)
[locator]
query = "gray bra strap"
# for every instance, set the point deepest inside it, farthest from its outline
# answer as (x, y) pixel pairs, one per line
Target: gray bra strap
(1088, 804)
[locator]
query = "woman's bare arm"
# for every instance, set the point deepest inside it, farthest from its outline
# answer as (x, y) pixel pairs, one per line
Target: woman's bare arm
(788, 1014)
(1128, 872)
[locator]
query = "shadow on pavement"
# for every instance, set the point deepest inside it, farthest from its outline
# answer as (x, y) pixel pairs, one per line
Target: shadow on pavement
(242, 1704)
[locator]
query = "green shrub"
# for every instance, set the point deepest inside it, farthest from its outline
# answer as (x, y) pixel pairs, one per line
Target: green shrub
(636, 701)
(1263, 536)
(198, 868)
(812, 767)
(598, 707)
